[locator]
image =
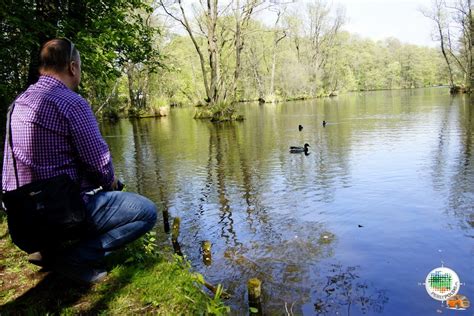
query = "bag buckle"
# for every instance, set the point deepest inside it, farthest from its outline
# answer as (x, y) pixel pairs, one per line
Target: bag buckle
(95, 191)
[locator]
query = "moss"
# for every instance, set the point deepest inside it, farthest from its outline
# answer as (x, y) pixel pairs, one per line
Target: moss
(219, 112)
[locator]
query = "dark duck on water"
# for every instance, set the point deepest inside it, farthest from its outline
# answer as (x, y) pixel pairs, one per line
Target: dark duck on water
(298, 149)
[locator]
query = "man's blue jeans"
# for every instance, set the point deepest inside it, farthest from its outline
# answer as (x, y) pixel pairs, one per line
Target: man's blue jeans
(114, 218)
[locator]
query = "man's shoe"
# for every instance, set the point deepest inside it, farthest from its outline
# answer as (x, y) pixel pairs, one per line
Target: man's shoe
(40, 259)
(80, 273)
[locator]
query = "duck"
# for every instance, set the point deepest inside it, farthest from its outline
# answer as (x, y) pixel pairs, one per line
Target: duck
(300, 127)
(298, 149)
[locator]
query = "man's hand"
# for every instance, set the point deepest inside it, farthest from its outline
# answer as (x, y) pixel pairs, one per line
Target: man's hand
(117, 185)
(114, 184)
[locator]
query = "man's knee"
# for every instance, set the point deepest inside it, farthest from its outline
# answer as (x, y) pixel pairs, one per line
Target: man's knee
(146, 211)
(132, 207)
(150, 212)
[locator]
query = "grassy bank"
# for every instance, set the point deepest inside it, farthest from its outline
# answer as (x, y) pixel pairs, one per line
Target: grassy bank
(141, 280)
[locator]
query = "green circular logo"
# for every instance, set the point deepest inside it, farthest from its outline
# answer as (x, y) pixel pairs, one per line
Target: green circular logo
(442, 283)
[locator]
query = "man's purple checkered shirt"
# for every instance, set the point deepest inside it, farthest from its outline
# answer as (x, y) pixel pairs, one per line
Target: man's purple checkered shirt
(54, 131)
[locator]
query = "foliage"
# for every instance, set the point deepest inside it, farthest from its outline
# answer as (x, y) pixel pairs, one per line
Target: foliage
(123, 45)
(143, 250)
(219, 112)
(453, 23)
(354, 64)
(108, 34)
(16, 43)
(216, 307)
(301, 55)
(218, 39)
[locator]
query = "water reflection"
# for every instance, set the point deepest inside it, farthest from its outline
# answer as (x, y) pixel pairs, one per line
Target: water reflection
(344, 291)
(387, 178)
(131, 145)
(219, 154)
(280, 252)
(462, 190)
(285, 264)
(452, 159)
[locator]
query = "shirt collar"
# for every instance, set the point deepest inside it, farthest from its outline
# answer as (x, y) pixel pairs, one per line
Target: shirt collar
(47, 80)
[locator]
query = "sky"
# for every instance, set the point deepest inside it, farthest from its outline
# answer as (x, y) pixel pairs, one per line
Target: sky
(375, 19)
(379, 19)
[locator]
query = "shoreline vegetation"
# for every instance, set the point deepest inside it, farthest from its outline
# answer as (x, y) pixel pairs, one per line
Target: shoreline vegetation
(141, 280)
(225, 112)
(136, 64)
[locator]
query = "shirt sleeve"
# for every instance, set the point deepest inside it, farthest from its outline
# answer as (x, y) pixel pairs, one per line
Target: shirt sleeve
(93, 152)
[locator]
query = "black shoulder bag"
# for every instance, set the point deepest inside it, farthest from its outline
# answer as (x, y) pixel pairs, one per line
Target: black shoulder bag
(44, 214)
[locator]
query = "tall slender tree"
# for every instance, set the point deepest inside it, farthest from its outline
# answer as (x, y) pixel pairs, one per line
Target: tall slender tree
(455, 33)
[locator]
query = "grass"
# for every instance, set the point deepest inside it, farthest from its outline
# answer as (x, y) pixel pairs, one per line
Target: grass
(141, 280)
(219, 112)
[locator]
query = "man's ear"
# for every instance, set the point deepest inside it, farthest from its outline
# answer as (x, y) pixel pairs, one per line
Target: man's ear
(73, 68)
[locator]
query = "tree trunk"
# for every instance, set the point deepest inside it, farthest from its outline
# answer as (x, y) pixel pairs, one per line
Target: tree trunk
(185, 23)
(471, 48)
(213, 50)
(238, 49)
(276, 40)
(443, 50)
(198, 50)
(437, 15)
(241, 19)
(131, 92)
(272, 78)
(254, 62)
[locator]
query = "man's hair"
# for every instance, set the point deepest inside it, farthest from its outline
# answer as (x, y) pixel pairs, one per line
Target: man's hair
(57, 54)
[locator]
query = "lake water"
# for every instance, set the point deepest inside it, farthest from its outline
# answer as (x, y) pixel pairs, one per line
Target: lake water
(385, 196)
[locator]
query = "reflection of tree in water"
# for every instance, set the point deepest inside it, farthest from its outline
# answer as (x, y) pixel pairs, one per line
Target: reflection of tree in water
(282, 252)
(218, 151)
(343, 291)
(458, 172)
(441, 153)
(285, 264)
(462, 192)
(137, 162)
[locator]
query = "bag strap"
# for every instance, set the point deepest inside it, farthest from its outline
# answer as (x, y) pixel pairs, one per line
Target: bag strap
(10, 140)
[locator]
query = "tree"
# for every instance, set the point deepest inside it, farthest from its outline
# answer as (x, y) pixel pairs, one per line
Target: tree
(438, 15)
(210, 85)
(462, 16)
(108, 33)
(302, 55)
(455, 33)
(322, 35)
(278, 36)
